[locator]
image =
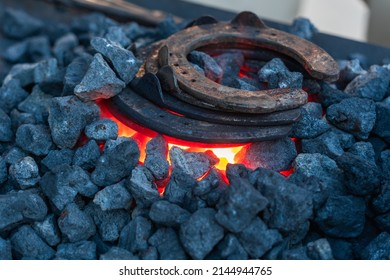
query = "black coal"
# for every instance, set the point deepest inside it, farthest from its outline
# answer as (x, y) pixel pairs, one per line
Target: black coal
(70, 188)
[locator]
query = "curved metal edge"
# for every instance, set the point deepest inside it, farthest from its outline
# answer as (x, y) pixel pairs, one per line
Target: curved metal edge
(129, 105)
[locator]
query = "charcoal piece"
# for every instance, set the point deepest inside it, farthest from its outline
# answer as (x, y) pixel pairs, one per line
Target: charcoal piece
(319, 250)
(63, 48)
(362, 177)
(236, 170)
(37, 104)
(311, 86)
(275, 155)
(78, 179)
(192, 163)
(342, 216)
(57, 191)
(23, 72)
(48, 230)
(82, 250)
(346, 139)
(218, 187)
(313, 109)
(167, 27)
(202, 188)
(230, 63)
(17, 52)
(75, 72)
(25, 172)
(277, 75)
(87, 155)
(117, 161)
(200, 233)
(179, 188)
(113, 197)
(381, 127)
(117, 253)
(27, 245)
(289, 205)
(149, 254)
(231, 249)
(327, 144)
(134, 236)
(210, 67)
(156, 157)
(102, 130)
(341, 249)
(309, 126)
(109, 223)
(19, 118)
(123, 61)
(299, 253)
(385, 163)
(11, 94)
(5, 249)
(18, 25)
(372, 84)
(364, 150)
(99, 82)
(13, 155)
(35, 139)
(359, 56)
(330, 95)
(379, 248)
(3, 170)
(320, 167)
(142, 187)
(194, 203)
(39, 48)
(56, 158)
(133, 30)
(167, 214)
(350, 70)
(318, 189)
(257, 239)
(54, 84)
(167, 243)
(6, 133)
(140, 210)
(383, 221)
(45, 69)
(92, 23)
(68, 117)
(20, 207)
(117, 34)
(198, 68)
(303, 27)
(239, 205)
(354, 115)
(75, 224)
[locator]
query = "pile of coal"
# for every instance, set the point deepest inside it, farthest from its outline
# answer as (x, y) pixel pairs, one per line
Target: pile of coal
(72, 188)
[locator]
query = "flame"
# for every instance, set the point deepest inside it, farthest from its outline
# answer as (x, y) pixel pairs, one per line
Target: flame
(226, 153)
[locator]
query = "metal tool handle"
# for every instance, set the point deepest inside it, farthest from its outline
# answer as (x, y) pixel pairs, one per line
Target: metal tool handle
(123, 9)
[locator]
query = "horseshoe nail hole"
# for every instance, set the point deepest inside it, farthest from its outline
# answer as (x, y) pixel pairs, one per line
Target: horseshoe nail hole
(162, 116)
(273, 34)
(176, 64)
(193, 80)
(170, 54)
(186, 123)
(184, 72)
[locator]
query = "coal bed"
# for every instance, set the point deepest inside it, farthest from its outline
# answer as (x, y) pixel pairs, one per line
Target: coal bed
(81, 180)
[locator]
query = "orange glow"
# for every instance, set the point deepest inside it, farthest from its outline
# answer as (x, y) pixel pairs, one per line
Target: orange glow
(226, 153)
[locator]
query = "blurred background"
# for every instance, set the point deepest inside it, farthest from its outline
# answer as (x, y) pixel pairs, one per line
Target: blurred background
(362, 20)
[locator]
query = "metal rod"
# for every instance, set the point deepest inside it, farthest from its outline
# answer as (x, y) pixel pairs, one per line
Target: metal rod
(123, 9)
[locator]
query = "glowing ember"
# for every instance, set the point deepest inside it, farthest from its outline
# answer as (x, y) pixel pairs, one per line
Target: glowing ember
(225, 153)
